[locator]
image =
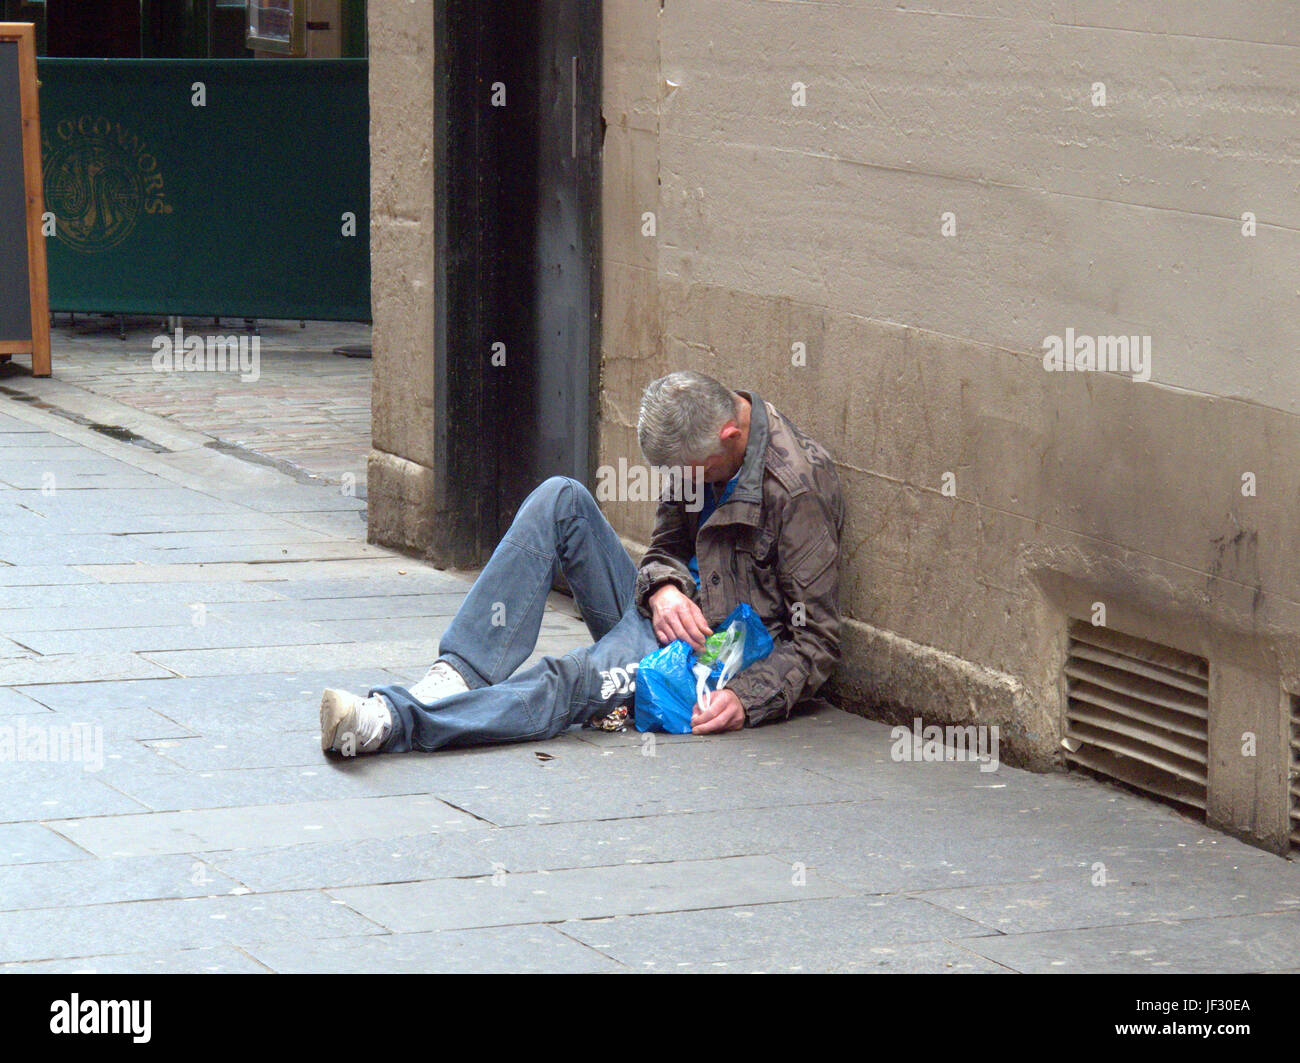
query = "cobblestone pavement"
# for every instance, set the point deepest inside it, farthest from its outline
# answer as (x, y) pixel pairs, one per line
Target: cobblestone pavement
(309, 407)
(169, 613)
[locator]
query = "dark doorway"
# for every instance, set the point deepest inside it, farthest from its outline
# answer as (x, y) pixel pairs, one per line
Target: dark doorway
(518, 191)
(93, 29)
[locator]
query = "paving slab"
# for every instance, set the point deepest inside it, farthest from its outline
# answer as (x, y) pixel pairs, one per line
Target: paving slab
(90, 549)
(142, 525)
(14, 702)
(407, 580)
(927, 957)
(168, 925)
(213, 633)
(352, 607)
(83, 882)
(161, 499)
(34, 843)
(1240, 944)
(307, 657)
(114, 725)
(41, 476)
(16, 434)
(1106, 894)
(272, 570)
(163, 787)
(810, 935)
(274, 701)
(358, 862)
(160, 785)
(79, 667)
(251, 827)
(349, 522)
(287, 549)
(208, 960)
(641, 786)
(298, 500)
(609, 837)
(38, 576)
(270, 532)
(87, 618)
(545, 897)
(888, 863)
(244, 746)
(31, 796)
(101, 601)
(489, 950)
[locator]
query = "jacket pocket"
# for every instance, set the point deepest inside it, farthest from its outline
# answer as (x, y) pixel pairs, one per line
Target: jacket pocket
(813, 559)
(755, 572)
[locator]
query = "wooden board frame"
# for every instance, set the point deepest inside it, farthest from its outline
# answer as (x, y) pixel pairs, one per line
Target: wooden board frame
(24, 34)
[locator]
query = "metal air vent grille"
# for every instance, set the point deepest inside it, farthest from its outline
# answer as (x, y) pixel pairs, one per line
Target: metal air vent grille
(1138, 712)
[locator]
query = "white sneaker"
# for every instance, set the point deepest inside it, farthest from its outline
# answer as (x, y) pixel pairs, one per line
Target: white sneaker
(441, 681)
(352, 725)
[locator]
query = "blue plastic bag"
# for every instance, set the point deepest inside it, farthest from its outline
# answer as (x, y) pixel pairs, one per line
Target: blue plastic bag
(667, 685)
(665, 689)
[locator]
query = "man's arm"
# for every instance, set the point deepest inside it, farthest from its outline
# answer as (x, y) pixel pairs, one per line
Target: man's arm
(666, 558)
(808, 574)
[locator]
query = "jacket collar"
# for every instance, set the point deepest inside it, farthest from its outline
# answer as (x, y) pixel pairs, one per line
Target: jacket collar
(750, 484)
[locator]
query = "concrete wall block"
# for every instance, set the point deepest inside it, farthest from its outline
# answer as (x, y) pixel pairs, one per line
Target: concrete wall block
(1249, 755)
(400, 483)
(1270, 22)
(630, 190)
(403, 501)
(401, 68)
(1024, 264)
(632, 84)
(631, 339)
(1195, 124)
(895, 679)
(402, 389)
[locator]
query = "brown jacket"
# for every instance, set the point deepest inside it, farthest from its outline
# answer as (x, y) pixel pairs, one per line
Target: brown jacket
(775, 543)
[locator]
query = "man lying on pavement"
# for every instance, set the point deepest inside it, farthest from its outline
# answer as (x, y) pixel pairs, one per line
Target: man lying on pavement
(765, 531)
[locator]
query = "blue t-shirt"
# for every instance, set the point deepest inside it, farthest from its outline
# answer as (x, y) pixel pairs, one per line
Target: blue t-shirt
(709, 505)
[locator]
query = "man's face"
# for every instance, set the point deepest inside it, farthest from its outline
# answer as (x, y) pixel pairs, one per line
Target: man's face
(719, 468)
(710, 470)
(713, 469)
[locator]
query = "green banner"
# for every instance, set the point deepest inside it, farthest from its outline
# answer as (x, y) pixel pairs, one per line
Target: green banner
(231, 187)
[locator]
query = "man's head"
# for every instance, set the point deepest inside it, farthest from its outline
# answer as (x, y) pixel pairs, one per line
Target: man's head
(691, 420)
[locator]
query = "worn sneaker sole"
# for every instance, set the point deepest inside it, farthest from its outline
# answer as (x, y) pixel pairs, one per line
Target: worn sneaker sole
(335, 705)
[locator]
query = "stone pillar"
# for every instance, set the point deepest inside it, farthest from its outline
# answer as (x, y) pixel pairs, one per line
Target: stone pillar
(402, 477)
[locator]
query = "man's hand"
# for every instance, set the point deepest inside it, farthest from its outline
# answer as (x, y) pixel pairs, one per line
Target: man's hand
(675, 616)
(725, 713)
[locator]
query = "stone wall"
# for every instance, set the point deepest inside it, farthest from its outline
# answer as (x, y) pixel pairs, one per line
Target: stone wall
(990, 499)
(402, 481)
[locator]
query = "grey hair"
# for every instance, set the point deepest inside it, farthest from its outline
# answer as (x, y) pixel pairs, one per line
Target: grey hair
(681, 414)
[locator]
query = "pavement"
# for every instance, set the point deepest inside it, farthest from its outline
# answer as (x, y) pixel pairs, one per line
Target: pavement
(169, 613)
(308, 412)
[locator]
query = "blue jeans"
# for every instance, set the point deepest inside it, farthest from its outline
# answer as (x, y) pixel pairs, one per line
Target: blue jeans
(495, 631)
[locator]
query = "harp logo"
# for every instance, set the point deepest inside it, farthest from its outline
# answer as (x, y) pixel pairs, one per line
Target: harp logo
(100, 177)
